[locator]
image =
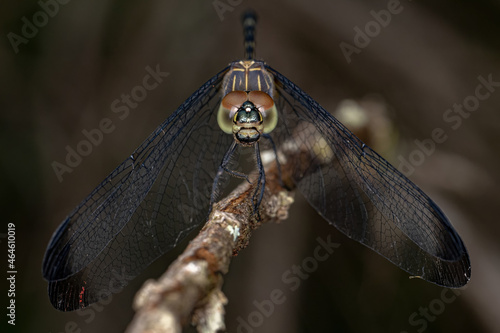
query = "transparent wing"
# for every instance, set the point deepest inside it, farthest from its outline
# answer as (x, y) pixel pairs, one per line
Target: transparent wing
(364, 196)
(142, 209)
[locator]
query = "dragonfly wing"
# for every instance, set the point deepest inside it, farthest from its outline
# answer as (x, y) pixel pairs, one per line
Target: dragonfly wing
(365, 197)
(142, 209)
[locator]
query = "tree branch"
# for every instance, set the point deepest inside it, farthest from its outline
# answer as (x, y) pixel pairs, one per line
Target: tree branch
(191, 287)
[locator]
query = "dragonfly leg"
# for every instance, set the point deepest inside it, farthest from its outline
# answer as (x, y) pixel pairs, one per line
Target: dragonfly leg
(261, 182)
(225, 162)
(220, 171)
(278, 165)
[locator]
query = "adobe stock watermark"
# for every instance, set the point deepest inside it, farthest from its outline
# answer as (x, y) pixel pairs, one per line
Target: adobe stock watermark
(292, 278)
(121, 108)
(116, 284)
(373, 28)
(31, 26)
(420, 319)
(453, 117)
(223, 6)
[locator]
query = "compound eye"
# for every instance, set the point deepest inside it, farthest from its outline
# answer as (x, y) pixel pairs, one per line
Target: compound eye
(228, 107)
(270, 119)
(234, 100)
(261, 100)
(266, 106)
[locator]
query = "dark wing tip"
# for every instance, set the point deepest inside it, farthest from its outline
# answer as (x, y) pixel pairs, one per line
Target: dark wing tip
(54, 254)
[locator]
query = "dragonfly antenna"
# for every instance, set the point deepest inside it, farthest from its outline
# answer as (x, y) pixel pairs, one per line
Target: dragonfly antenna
(249, 22)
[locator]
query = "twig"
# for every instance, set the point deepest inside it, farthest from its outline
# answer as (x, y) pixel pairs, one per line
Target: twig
(191, 287)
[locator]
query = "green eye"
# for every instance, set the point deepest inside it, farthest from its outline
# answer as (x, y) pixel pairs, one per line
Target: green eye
(224, 119)
(270, 119)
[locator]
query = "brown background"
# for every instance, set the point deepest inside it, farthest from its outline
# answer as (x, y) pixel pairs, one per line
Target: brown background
(428, 58)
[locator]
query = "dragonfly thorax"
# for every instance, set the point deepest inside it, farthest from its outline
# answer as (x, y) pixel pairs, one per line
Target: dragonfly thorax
(248, 75)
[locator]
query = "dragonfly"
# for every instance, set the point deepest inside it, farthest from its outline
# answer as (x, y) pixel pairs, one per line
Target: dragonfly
(167, 186)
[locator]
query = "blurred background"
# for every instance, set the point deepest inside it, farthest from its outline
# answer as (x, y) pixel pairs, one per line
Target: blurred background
(60, 78)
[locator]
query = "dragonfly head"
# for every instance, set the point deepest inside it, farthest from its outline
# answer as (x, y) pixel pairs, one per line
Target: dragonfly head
(247, 115)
